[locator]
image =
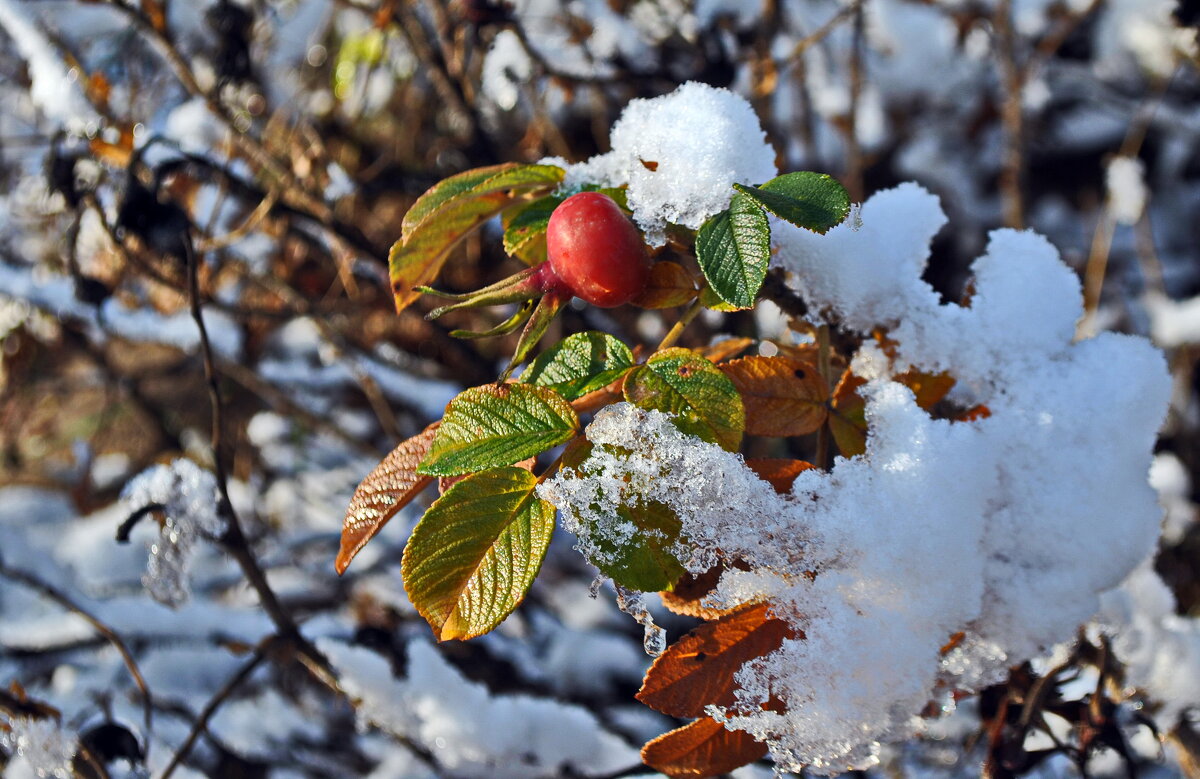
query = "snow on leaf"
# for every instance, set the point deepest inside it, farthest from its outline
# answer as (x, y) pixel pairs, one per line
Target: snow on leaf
(644, 561)
(388, 488)
(702, 401)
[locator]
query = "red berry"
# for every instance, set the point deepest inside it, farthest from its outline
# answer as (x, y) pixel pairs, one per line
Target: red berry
(596, 251)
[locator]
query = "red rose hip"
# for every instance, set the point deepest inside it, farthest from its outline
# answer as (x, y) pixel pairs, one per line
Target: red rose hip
(596, 251)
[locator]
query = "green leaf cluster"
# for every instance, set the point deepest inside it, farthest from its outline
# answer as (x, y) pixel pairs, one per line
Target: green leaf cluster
(734, 246)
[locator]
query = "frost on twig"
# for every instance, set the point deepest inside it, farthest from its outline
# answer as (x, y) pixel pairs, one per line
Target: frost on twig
(188, 497)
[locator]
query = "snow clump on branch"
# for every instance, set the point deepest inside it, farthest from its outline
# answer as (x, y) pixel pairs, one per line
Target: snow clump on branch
(681, 154)
(1006, 529)
(187, 496)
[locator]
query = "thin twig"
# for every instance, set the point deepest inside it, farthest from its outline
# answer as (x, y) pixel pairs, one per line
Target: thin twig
(1012, 173)
(819, 34)
(47, 590)
(234, 539)
(210, 708)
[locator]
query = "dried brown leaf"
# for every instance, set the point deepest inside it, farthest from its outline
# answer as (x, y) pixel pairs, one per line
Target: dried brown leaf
(386, 490)
(929, 388)
(727, 349)
(779, 472)
(783, 397)
(669, 285)
(848, 416)
(690, 590)
(698, 670)
(701, 749)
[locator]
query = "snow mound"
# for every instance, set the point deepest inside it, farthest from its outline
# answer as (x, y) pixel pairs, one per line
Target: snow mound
(1006, 529)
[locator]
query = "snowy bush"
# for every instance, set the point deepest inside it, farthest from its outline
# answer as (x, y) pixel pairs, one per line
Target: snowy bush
(849, 405)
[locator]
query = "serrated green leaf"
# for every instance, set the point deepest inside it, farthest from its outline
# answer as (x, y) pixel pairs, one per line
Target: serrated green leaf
(498, 424)
(645, 562)
(471, 182)
(701, 399)
(451, 210)
(734, 249)
(525, 233)
(814, 201)
(579, 364)
(474, 554)
(446, 190)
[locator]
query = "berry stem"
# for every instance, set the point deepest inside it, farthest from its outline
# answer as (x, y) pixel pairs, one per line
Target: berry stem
(677, 330)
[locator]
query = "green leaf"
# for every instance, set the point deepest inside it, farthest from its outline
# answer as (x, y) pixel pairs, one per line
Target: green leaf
(448, 212)
(470, 181)
(734, 249)
(645, 562)
(525, 233)
(701, 399)
(498, 424)
(814, 201)
(579, 364)
(474, 554)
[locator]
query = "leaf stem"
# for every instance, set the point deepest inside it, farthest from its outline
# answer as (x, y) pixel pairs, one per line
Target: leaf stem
(673, 334)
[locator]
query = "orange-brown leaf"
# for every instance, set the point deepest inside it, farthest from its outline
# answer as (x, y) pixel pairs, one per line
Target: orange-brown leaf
(724, 350)
(807, 352)
(697, 670)
(783, 397)
(669, 286)
(690, 590)
(848, 416)
(929, 388)
(701, 749)
(386, 490)
(778, 471)
(974, 413)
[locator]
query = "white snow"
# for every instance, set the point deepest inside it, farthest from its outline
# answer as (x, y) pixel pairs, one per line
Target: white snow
(1125, 178)
(1173, 323)
(469, 731)
(1159, 648)
(44, 747)
(1006, 529)
(188, 496)
(680, 155)
(55, 90)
